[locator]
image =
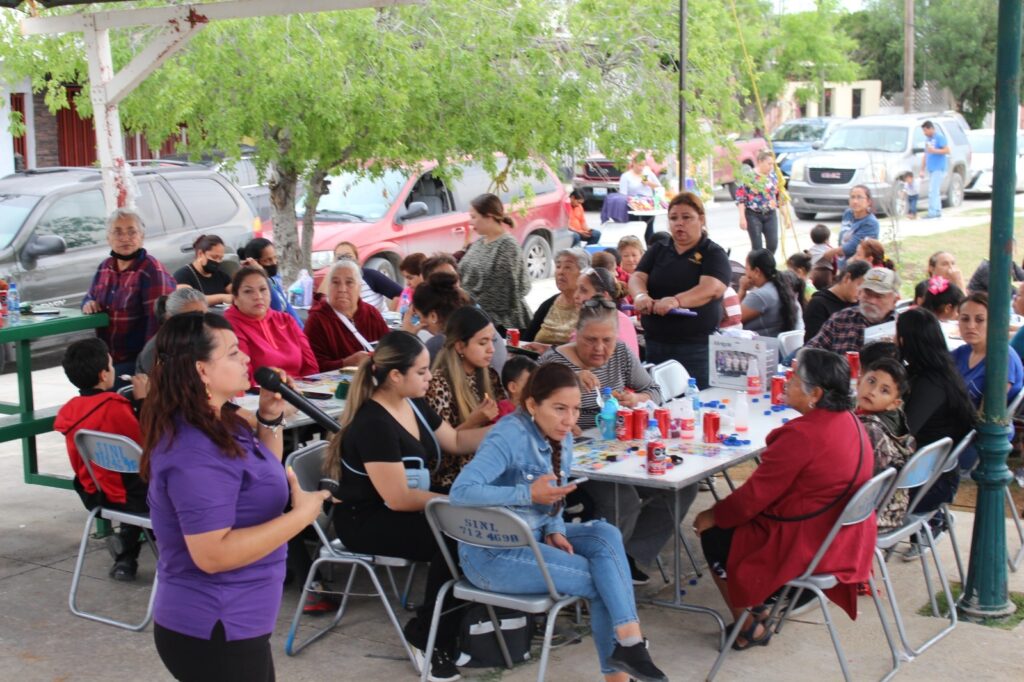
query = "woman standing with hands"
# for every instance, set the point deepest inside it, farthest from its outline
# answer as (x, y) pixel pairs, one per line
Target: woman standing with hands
(216, 491)
(521, 465)
(492, 270)
(690, 271)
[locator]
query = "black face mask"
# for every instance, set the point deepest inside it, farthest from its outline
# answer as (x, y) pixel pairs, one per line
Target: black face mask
(211, 267)
(131, 256)
(271, 270)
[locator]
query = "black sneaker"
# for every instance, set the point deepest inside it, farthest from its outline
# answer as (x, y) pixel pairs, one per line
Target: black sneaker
(639, 577)
(636, 662)
(442, 667)
(124, 570)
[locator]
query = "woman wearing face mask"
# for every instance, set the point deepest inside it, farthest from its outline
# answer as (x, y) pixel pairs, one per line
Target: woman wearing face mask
(342, 327)
(204, 272)
(260, 252)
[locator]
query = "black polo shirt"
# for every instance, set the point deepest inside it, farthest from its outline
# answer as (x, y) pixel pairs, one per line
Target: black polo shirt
(670, 273)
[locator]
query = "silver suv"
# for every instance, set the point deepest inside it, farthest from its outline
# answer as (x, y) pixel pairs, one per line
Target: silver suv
(874, 151)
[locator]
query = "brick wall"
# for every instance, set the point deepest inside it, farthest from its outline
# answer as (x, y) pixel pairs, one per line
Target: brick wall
(47, 142)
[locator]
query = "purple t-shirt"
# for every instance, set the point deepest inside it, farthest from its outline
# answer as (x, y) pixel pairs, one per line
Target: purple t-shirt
(195, 488)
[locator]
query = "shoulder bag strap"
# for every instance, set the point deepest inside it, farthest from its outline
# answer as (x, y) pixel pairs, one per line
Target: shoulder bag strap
(367, 346)
(433, 436)
(846, 490)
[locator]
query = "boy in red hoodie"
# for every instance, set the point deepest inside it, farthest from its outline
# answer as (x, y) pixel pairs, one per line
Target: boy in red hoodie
(89, 367)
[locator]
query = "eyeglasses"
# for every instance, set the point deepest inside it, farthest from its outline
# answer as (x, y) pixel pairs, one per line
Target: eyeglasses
(599, 302)
(128, 234)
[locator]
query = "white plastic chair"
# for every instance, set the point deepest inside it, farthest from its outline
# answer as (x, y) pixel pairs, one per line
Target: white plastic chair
(672, 377)
(868, 499)
(920, 472)
(790, 342)
(508, 531)
(119, 454)
(308, 466)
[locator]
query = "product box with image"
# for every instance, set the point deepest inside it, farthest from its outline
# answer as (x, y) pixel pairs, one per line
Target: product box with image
(729, 359)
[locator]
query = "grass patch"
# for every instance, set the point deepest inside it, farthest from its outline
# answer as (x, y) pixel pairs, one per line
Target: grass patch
(1008, 623)
(969, 244)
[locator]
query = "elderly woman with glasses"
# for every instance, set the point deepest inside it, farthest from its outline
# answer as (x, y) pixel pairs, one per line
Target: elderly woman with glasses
(342, 327)
(126, 287)
(766, 532)
(555, 319)
(600, 360)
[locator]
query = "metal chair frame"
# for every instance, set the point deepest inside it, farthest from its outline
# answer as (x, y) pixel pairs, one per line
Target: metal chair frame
(120, 454)
(866, 501)
(508, 531)
(921, 471)
(307, 464)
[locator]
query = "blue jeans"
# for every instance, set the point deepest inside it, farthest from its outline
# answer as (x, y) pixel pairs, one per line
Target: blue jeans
(912, 204)
(594, 238)
(935, 192)
(764, 225)
(693, 356)
(597, 571)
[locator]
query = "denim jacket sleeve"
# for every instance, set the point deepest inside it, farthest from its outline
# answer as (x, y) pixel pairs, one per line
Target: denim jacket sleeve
(473, 486)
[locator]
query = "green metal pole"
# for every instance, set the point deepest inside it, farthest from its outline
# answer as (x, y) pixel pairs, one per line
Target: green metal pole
(986, 593)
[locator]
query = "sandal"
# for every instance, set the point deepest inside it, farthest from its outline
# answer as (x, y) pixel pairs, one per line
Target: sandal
(748, 636)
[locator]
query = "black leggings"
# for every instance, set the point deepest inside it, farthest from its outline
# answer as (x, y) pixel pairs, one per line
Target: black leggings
(406, 535)
(191, 659)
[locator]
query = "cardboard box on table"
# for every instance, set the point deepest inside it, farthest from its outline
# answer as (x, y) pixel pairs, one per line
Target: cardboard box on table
(729, 357)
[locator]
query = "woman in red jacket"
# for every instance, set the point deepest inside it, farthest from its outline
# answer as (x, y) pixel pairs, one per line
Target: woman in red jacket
(341, 327)
(767, 531)
(270, 338)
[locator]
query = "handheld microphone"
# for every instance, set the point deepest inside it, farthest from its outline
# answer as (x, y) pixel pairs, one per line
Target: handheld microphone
(270, 380)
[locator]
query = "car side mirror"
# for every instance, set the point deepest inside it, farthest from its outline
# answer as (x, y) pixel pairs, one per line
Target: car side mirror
(919, 149)
(43, 245)
(416, 209)
(816, 144)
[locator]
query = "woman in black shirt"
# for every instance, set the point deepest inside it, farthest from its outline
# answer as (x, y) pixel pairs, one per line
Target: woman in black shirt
(386, 420)
(204, 272)
(690, 271)
(937, 404)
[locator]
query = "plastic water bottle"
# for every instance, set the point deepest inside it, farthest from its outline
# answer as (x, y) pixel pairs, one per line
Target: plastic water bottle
(13, 304)
(295, 293)
(688, 429)
(741, 412)
(609, 413)
(753, 378)
(693, 397)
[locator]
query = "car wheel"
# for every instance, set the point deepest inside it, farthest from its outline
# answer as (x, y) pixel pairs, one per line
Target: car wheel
(955, 195)
(804, 215)
(537, 253)
(383, 266)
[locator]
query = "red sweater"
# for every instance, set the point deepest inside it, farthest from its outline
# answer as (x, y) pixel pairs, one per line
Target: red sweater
(274, 341)
(331, 340)
(807, 463)
(101, 411)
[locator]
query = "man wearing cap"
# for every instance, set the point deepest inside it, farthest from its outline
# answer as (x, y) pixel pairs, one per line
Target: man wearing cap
(876, 301)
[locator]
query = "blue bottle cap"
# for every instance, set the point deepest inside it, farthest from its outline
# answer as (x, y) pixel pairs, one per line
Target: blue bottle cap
(785, 419)
(755, 400)
(767, 413)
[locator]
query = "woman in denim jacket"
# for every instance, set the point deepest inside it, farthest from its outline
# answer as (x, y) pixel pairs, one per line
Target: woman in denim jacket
(514, 468)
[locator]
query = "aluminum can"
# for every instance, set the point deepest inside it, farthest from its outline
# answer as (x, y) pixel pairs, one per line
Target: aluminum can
(853, 358)
(512, 337)
(640, 418)
(778, 390)
(624, 425)
(664, 418)
(711, 424)
(655, 458)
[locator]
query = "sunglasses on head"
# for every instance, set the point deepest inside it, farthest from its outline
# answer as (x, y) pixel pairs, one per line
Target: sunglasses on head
(598, 302)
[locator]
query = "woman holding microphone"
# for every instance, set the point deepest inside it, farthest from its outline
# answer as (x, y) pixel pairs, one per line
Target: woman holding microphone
(216, 491)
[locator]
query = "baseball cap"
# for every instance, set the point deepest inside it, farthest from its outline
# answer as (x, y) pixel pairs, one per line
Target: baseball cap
(882, 281)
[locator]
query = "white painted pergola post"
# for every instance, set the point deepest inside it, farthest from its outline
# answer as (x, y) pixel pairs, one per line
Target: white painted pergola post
(180, 23)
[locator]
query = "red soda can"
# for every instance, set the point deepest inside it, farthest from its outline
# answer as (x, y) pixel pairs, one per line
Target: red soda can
(624, 425)
(778, 390)
(789, 374)
(640, 418)
(853, 358)
(664, 418)
(512, 337)
(711, 424)
(655, 458)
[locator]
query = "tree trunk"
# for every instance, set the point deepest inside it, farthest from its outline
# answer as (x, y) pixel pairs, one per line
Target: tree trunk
(316, 187)
(291, 259)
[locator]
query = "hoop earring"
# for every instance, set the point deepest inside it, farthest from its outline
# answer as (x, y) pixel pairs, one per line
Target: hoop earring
(811, 404)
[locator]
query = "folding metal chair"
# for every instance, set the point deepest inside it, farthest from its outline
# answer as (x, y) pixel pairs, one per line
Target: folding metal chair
(790, 342)
(308, 466)
(120, 454)
(1011, 412)
(868, 499)
(921, 471)
(672, 377)
(952, 463)
(508, 531)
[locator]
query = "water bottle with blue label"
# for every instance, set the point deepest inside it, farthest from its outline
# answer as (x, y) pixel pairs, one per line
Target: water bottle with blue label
(13, 304)
(609, 413)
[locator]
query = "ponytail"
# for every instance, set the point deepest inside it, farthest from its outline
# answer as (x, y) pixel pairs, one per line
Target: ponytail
(763, 260)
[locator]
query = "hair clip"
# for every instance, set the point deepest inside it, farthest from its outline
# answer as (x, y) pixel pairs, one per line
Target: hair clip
(937, 285)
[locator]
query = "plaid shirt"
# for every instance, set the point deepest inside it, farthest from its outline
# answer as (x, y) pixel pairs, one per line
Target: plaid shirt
(128, 297)
(844, 331)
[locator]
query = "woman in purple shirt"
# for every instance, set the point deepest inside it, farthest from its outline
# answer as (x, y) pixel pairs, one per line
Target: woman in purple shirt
(216, 495)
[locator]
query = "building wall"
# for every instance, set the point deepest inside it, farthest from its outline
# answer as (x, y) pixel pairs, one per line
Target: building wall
(6, 141)
(47, 139)
(842, 99)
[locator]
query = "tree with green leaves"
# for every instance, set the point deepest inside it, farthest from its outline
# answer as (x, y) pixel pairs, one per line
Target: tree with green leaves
(370, 90)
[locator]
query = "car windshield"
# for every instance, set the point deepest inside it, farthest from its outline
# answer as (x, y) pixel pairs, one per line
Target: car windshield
(799, 132)
(981, 143)
(868, 139)
(357, 197)
(14, 208)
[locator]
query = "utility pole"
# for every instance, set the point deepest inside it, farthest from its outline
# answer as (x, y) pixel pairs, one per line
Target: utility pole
(908, 56)
(682, 89)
